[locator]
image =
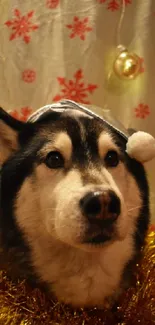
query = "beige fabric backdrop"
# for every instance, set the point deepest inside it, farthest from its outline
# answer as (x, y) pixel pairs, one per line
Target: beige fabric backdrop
(50, 49)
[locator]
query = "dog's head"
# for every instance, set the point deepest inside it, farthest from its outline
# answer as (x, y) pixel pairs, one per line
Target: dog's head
(67, 178)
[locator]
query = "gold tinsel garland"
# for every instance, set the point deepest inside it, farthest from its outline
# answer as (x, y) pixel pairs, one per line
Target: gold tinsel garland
(22, 305)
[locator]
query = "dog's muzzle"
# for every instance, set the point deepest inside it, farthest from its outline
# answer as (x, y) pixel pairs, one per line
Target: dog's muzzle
(101, 209)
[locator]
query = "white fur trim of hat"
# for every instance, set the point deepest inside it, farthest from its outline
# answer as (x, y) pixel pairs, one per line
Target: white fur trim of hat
(141, 146)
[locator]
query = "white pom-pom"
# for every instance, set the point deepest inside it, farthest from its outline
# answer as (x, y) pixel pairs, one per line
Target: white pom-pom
(141, 146)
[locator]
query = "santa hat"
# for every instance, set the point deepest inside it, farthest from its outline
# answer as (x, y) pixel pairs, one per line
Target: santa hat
(140, 145)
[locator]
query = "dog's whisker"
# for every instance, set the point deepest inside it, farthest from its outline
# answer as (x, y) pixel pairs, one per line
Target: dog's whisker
(134, 208)
(140, 207)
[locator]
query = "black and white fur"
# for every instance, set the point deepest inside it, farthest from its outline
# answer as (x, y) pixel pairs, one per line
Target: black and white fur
(43, 233)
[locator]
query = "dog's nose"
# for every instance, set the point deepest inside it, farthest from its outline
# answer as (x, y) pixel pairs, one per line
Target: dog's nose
(101, 206)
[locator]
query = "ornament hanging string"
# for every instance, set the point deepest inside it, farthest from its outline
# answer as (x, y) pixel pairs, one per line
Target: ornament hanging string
(119, 27)
(117, 42)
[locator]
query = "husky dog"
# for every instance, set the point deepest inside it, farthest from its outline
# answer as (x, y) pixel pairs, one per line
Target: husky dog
(74, 206)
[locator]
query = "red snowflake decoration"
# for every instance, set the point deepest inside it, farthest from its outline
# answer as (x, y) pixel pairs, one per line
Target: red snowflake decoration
(114, 5)
(21, 25)
(79, 27)
(76, 89)
(29, 75)
(23, 115)
(142, 111)
(52, 4)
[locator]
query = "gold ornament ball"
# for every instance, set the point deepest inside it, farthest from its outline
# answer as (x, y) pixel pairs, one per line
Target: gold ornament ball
(127, 65)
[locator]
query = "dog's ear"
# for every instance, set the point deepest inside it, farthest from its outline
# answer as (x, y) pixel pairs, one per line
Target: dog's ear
(9, 130)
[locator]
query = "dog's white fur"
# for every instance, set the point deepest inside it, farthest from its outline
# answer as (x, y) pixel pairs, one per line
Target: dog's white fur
(47, 211)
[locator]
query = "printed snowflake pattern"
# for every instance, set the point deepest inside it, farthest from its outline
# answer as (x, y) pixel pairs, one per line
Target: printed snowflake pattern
(23, 114)
(28, 75)
(52, 4)
(114, 5)
(21, 25)
(75, 89)
(79, 28)
(142, 111)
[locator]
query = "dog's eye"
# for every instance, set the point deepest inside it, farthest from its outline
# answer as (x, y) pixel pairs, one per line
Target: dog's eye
(111, 159)
(54, 160)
